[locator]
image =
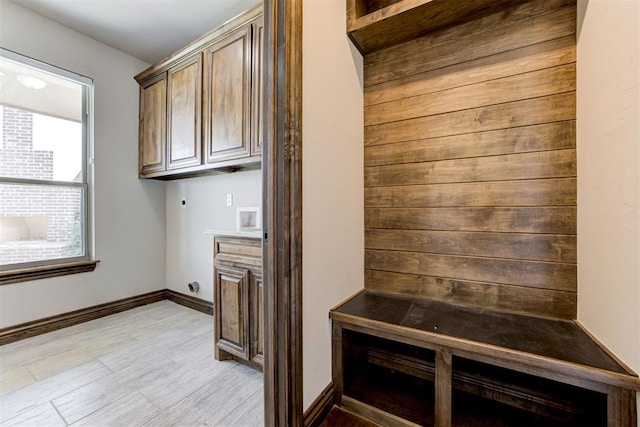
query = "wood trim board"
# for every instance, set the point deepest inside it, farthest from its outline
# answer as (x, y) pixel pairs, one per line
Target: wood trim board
(59, 321)
(46, 271)
(282, 212)
(192, 302)
(320, 407)
(52, 323)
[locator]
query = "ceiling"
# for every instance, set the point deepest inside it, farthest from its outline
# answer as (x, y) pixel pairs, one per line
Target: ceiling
(146, 29)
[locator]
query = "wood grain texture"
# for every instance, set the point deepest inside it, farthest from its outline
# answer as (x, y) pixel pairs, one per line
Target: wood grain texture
(282, 210)
(231, 301)
(550, 136)
(210, 79)
(257, 87)
(527, 59)
(544, 192)
(444, 365)
(256, 327)
(317, 412)
(229, 96)
(190, 301)
(621, 407)
(339, 417)
(542, 28)
(517, 11)
(47, 271)
(372, 413)
(553, 108)
(153, 127)
(470, 161)
(544, 275)
(534, 84)
(184, 147)
(537, 302)
(550, 220)
(525, 166)
(239, 299)
(534, 247)
(390, 25)
(527, 344)
(391, 331)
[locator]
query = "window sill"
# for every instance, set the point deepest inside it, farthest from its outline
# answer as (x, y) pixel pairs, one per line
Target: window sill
(45, 272)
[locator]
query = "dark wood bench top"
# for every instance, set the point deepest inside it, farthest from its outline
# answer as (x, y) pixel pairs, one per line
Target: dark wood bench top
(561, 340)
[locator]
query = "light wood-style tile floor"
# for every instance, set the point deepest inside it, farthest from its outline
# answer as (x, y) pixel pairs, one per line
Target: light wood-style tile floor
(151, 366)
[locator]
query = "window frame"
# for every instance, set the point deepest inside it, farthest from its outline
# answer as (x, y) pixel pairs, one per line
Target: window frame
(32, 270)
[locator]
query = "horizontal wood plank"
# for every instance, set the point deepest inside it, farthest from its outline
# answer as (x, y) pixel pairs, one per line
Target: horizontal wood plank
(549, 136)
(518, 11)
(557, 24)
(561, 277)
(544, 164)
(533, 84)
(531, 58)
(540, 302)
(535, 111)
(535, 247)
(552, 220)
(546, 192)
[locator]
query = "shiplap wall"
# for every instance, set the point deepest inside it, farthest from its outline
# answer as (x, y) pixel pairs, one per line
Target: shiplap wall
(470, 162)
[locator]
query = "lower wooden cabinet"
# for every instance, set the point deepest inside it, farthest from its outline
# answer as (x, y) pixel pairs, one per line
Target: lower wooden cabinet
(238, 299)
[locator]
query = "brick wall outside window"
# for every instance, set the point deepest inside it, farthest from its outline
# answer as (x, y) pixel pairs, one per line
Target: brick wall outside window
(60, 205)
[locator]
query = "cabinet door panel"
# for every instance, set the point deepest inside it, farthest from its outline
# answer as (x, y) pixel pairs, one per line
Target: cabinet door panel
(231, 310)
(153, 122)
(185, 86)
(229, 97)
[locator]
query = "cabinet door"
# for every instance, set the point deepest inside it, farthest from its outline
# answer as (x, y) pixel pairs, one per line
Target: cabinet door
(231, 310)
(257, 90)
(257, 319)
(228, 97)
(184, 112)
(152, 127)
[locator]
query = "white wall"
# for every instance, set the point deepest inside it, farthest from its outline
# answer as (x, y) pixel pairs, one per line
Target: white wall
(129, 213)
(189, 251)
(609, 174)
(332, 177)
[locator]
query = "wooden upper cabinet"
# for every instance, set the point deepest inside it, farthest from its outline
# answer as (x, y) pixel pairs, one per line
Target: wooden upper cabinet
(229, 97)
(200, 109)
(257, 91)
(153, 126)
(184, 143)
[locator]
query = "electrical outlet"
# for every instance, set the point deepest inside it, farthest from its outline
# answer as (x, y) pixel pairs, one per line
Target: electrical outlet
(229, 199)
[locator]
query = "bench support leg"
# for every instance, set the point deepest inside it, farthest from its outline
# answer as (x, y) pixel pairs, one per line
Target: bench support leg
(621, 407)
(443, 389)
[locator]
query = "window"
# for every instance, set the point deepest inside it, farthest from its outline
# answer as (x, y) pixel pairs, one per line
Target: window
(44, 176)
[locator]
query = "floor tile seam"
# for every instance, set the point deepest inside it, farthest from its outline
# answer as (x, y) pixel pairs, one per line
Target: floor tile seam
(234, 409)
(193, 391)
(126, 396)
(55, 408)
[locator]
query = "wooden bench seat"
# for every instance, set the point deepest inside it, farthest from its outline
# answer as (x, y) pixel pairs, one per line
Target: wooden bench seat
(522, 361)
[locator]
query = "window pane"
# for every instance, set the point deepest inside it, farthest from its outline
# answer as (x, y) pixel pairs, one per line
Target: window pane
(36, 146)
(40, 222)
